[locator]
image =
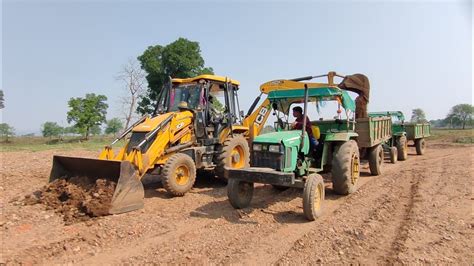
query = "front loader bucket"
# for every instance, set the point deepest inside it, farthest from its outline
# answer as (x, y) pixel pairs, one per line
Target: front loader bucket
(129, 192)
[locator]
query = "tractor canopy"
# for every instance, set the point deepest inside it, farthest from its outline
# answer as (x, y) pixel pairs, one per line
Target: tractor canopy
(317, 94)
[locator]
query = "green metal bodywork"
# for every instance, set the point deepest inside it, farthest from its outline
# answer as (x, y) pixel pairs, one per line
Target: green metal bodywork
(290, 140)
(417, 130)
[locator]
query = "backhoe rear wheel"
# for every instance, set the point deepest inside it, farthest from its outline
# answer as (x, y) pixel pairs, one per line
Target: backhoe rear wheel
(313, 197)
(178, 174)
(345, 168)
(420, 145)
(235, 153)
(240, 193)
(402, 148)
(376, 159)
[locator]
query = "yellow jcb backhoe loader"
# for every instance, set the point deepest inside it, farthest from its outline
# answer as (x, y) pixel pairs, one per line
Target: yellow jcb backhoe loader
(185, 133)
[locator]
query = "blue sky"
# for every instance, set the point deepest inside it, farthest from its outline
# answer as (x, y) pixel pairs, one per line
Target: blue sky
(416, 54)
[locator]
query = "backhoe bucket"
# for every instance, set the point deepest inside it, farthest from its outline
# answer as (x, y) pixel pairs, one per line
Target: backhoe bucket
(129, 192)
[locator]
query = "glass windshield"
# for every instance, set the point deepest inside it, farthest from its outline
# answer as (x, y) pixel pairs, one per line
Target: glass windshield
(192, 94)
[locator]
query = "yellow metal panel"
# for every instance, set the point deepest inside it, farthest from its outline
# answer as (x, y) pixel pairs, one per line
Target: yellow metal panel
(150, 123)
(283, 84)
(206, 77)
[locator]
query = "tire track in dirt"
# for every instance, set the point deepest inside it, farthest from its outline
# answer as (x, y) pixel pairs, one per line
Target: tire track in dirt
(376, 234)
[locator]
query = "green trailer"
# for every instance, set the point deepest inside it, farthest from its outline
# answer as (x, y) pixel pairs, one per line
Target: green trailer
(404, 132)
(286, 159)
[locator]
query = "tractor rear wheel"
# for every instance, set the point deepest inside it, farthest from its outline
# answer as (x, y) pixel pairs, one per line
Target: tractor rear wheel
(376, 159)
(402, 148)
(178, 174)
(420, 145)
(234, 153)
(240, 193)
(393, 155)
(345, 168)
(313, 197)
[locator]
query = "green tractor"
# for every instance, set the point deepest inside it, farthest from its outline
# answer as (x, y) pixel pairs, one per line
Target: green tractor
(402, 132)
(285, 158)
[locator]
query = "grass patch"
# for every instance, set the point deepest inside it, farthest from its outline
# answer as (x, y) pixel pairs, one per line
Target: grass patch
(95, 143)
(462, 136)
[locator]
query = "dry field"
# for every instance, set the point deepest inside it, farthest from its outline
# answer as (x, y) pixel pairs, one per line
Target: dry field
(418, 211)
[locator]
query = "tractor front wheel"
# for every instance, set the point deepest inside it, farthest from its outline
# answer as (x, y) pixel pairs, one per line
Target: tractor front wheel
(376, 160)
(393, 155)
(313, 197)
(402, 148)
(240, 193)
(178, 174)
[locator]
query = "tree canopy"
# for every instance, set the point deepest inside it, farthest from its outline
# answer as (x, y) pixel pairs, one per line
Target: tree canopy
(418, 116)
(6, 131)
(114, 125)
(2, 100)
(460, 115)
(51, 129)
(87, 112)
(179, 59)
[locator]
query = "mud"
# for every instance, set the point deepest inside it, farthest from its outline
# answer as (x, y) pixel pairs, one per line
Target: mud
(76, 198)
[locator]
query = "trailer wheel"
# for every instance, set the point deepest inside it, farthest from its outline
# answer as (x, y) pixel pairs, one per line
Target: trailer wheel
(376, 160)
(234, 153)
(179, 174)
(313, 197)
(393, 155)
(420, 145)
(345, 168)
(402, 148)
(240, 193)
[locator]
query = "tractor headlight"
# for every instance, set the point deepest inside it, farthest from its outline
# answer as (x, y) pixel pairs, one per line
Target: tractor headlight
(257, 147)
(274, 148)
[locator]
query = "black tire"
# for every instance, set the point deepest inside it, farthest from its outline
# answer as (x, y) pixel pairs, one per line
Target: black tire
(240, 193)
(227, 157)
(376, 159)
(420, 145)
(393, 155)
(402, 148)
(313, 197)
(279, 188)
(345, 168)
(178, 174)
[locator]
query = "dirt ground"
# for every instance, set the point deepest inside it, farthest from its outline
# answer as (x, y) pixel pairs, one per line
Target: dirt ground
(418, 211)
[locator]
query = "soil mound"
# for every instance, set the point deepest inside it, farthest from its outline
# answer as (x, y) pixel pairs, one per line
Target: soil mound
(76, 198)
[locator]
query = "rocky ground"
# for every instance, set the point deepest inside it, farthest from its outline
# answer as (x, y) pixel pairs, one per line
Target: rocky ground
(418, 211)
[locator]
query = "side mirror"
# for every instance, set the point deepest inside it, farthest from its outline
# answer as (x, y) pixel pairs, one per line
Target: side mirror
(242, 113)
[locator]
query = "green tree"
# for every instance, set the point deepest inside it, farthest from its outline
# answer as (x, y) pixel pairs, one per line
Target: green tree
(179, 59)
(460, 115)
(51, 129)
(96, 130)
(418, 116)
(2, 100)
(87, 112)
(114, 125)
(6, 131)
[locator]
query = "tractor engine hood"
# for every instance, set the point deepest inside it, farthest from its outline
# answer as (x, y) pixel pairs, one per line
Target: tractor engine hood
(288, 138)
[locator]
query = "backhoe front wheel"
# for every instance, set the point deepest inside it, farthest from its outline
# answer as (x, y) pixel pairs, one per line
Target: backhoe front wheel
(345, 168)
(376, 159)
(235, 153)
(178, 174)
(313, 197)
(240, 193)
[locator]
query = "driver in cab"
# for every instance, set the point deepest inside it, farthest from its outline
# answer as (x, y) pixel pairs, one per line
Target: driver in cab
(298, 124)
